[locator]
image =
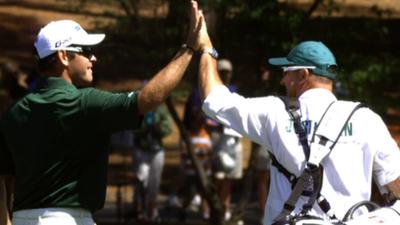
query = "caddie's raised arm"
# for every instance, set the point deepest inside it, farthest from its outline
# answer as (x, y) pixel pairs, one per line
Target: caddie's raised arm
(208, 73)
(160, 86)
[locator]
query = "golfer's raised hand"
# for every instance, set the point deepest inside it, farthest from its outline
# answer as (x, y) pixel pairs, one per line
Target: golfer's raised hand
(194, 26)
(204, 38)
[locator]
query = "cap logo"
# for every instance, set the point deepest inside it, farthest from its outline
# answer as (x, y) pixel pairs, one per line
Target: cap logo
(62, 42)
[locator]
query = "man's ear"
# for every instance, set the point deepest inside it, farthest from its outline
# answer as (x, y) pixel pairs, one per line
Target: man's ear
(63, 57)
(305, 73)
(303, 76)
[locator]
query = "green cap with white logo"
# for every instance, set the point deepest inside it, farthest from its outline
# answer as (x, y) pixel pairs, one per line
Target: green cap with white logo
(310, 53)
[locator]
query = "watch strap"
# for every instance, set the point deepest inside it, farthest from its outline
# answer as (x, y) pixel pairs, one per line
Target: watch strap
(212, 51)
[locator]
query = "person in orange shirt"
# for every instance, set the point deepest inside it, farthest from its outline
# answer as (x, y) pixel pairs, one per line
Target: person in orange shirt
(202, 146)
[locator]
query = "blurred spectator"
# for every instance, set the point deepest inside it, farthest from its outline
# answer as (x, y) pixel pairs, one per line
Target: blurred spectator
(262, 167)
(264, 85)
(340, 90)
(149, 162)
(5, 196)
(228, 149)
(196, 124)
(12, 86)
(13, 80)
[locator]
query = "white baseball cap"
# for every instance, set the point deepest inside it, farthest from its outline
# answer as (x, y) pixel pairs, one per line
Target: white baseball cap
(61, 34)
(224, 64)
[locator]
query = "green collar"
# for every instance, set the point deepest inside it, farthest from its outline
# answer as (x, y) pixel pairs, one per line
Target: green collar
(55, 82)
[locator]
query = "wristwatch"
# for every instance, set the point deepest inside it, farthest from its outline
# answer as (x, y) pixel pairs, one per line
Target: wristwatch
(188, 47)
(212, 51)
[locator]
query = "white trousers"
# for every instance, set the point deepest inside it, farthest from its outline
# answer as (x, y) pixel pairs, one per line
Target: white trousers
(53, 216)
(149, 170)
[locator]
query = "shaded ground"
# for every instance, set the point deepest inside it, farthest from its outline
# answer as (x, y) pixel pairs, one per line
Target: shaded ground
(116, 212)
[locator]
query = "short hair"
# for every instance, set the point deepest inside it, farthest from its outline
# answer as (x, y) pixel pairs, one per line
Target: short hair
(322, 79)
(48, 62)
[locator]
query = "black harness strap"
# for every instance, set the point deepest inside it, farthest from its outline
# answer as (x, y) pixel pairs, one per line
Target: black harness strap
(290, 176)
(312, 174)
(292, 105)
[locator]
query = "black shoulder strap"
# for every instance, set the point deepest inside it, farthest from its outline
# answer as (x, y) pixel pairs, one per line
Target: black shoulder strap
(290, 176)
(292, 105)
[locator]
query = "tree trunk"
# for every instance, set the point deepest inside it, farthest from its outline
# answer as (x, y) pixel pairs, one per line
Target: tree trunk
(312, 8)
(131, 10)
(206, 186)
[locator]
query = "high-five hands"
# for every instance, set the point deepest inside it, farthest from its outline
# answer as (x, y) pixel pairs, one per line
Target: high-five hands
(198, 37)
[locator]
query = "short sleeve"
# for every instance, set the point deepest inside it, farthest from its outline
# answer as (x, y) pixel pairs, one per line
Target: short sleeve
(112, 111)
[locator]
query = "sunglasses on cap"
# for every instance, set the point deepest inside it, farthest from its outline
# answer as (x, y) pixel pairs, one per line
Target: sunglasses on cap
(329, 68)
(294, 68)
(82, 50)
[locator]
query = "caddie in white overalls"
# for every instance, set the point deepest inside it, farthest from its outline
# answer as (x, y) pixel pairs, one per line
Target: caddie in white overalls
(364, 152)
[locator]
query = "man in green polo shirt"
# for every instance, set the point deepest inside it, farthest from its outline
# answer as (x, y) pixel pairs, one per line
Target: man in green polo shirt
(56, 136)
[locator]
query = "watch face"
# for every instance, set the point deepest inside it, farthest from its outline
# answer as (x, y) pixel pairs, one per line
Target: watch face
(212, 51)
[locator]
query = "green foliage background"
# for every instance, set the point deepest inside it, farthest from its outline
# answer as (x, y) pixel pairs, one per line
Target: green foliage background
(250, 31)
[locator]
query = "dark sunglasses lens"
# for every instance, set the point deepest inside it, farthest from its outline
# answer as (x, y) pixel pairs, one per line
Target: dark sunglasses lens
(87, 52)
